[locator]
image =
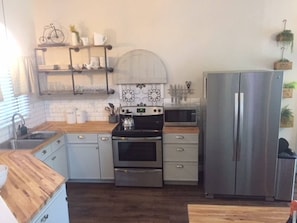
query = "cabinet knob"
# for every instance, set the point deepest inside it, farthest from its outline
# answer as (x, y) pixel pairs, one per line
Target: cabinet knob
(44, 218)
(58, 141)
(54, 158)
(44, 152)
(179, 137)
(81, 137)
(180, 149)
(179, 166)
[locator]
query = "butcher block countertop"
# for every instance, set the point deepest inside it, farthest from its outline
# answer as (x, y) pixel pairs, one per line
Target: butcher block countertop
(202, 213)
(88, 127)
(31, 183)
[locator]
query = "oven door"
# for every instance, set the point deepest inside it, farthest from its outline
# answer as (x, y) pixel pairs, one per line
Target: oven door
(137, 152)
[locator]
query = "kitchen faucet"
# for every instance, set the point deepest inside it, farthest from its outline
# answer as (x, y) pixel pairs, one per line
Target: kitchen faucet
(15, 135)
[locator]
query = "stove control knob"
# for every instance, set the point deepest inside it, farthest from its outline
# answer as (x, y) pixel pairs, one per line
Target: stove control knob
(159, 110)
(155, 110)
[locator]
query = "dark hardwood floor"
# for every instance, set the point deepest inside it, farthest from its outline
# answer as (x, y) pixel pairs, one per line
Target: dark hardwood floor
(93, 202)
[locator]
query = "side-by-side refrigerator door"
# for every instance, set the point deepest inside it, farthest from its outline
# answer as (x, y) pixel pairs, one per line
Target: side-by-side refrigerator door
(220, 132)
(258, 143)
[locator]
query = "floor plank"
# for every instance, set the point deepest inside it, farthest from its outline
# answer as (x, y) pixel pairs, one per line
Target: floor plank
(93, 202)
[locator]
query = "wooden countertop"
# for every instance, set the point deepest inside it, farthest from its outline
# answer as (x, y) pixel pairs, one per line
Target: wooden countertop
(30, 184)
(191, 130)
(88, 127)
(199, 213)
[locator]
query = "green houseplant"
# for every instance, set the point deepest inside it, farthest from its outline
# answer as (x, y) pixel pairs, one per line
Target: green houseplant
(288, 89)
(285, 39)
(287, 117)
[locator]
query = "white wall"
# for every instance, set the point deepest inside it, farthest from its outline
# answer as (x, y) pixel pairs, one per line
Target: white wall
(190, 36)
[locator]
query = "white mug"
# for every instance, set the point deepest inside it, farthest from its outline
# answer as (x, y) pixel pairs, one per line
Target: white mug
(99, 39)
(85, 41)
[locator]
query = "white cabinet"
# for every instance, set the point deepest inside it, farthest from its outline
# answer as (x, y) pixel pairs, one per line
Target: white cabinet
(83, 157)
(56, 210)
(180, 157)
(106, 156)
(55, 156)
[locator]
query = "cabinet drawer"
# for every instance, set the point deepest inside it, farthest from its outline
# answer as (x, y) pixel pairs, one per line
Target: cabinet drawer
(43, 153)
(180, 138)
(181, 152)
(181, 171)
(58, 143)
(82, 138)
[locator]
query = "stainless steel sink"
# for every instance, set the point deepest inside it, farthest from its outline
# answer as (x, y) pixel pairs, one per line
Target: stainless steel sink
(28, 141)
(39, 135)
(21, 143)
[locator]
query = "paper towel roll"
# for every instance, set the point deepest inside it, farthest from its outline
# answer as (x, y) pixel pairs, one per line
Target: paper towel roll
(81, 116)
(71, 116)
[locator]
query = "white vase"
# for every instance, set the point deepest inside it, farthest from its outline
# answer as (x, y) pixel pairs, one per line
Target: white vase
(74, 39)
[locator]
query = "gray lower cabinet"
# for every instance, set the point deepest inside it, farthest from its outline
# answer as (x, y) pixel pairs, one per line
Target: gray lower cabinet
(56, 209)
(180, 161)
(106, 157)
(55, 156)
(90, 157)
(83, 157)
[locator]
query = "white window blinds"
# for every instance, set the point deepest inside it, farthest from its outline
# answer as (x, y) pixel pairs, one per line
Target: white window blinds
(10, 104)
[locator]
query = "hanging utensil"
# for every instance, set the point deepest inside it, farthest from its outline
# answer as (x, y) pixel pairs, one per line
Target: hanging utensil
(108, 109)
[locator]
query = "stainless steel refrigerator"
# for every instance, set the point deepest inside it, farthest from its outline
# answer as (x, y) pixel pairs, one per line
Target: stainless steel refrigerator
(241, 126)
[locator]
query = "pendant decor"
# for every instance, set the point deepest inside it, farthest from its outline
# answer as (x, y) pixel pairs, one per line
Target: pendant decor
(286, 40)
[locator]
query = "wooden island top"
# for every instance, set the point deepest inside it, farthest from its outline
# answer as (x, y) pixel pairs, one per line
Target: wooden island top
(203, 213)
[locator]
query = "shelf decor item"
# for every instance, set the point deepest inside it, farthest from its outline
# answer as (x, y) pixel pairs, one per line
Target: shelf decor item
(75, 39)
(287, 118)
(285, 39)
(288, 89)
(51, 36)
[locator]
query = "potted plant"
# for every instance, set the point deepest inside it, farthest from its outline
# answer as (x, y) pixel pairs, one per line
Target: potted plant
(288, 89)
(287, 117)
(75, 39)
(285, 39)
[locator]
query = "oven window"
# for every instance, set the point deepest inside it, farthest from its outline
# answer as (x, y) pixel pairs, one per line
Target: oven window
(137, 151)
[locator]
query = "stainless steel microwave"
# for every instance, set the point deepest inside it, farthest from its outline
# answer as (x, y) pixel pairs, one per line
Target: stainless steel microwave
(181, 115)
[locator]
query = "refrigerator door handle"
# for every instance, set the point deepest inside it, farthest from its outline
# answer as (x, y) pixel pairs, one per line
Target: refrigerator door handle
(241, 109)
(205, 86)
(235, 125)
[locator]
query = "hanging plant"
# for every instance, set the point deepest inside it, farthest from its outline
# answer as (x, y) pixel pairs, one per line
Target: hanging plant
(286, 37)
(287, 117)
(283, 63)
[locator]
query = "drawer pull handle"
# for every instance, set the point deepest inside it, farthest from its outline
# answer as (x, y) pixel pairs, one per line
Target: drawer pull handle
(80, 137)
(104, 138)
(54, 158)
(180, 149)
(44, 218)
(179, 137)
(179, 166)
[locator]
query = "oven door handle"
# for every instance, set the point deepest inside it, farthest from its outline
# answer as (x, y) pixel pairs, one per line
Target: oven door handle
(137, 171)
(136, 138)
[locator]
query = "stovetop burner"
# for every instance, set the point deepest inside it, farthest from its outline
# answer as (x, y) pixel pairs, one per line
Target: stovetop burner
(148, 122)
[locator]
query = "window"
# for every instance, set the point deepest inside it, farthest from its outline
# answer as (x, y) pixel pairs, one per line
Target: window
(10, 103)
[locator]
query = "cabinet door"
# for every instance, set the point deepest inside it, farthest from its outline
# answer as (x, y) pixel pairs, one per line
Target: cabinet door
(58, 161)
(106, 158)
(56, 210)
(83, 161)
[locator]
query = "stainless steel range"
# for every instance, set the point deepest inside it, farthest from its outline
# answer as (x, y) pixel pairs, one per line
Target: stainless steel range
(137, 147)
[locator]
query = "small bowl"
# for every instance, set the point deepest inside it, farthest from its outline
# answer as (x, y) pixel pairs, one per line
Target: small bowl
(3, 174)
